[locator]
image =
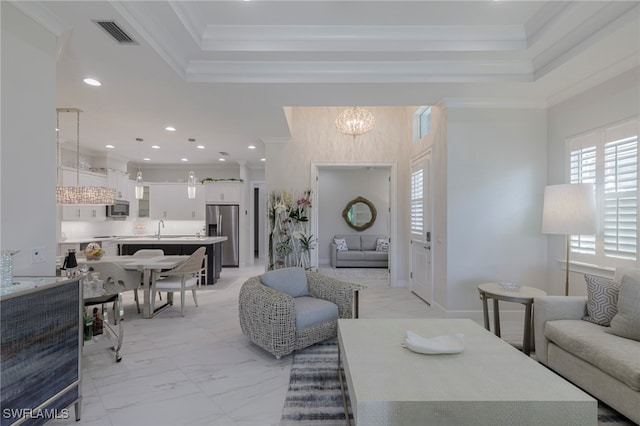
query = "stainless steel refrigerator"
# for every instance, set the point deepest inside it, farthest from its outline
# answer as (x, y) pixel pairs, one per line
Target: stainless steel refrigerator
(222, 220)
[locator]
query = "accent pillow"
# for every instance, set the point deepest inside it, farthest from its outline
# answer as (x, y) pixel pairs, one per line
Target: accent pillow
(382, 244)
(292, 281)
(626, 323)
(602, 300)
(341, 244)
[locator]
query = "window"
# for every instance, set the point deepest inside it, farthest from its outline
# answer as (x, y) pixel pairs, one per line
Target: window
(609, 158)
(421, 123)
(417, 201)
(419, 191)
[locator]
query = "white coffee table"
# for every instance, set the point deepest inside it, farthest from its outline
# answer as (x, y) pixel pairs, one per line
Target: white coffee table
(490, 383)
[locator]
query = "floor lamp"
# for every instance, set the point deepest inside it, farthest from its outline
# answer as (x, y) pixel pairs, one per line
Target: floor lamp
(569, 210)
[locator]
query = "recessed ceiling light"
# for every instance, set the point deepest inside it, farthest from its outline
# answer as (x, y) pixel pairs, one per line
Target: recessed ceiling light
(221, 159)
(155, 147)
(170, 129)
(147, 159)
(263, 159)
(251, 147)
(200, 146)
(184, 159)
(92, 82)
(109, 146)
(57, 130)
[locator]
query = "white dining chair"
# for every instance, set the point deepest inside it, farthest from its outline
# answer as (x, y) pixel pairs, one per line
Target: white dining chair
(146, 253)
(121, 279)
(181, 278)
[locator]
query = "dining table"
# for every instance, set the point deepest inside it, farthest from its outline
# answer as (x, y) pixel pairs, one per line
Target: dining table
(146, 266)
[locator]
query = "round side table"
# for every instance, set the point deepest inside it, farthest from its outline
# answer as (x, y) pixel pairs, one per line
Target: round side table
(524, 296)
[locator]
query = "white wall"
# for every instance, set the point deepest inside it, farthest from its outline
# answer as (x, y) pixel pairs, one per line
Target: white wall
(28, 207)
(612, 101)
(315, 139)
(496, 173)
(336, 187)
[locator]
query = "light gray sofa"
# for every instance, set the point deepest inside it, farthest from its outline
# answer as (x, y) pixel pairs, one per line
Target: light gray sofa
(603, 364)
(361, 253)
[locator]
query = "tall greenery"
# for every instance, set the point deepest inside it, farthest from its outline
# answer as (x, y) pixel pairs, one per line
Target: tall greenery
(290, 242)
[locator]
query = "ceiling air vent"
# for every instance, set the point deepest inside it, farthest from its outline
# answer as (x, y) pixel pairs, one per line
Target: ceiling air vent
(224, 153)
(114, 30)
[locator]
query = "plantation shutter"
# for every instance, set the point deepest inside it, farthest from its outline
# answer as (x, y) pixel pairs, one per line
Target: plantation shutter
(583, 170)
(608, 157)
(417, 201)
(620, 229)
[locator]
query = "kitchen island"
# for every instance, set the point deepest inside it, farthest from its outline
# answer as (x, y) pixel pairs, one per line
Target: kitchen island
(174, 245)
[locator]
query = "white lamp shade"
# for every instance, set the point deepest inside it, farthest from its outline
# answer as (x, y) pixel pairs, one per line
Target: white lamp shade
(569, 209)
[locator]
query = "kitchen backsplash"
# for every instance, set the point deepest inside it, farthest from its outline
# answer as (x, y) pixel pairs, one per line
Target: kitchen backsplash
(76, 230)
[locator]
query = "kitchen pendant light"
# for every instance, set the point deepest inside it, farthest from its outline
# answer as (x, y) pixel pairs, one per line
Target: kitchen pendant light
(191, 185)
(191, 181)
(139, 182)
(79, 195)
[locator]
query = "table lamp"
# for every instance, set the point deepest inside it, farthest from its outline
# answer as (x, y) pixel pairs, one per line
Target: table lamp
(569, 209)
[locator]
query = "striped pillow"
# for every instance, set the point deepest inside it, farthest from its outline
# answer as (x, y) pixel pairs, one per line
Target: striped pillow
(602, 300)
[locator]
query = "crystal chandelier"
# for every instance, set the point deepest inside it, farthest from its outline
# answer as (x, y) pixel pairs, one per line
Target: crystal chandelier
(355, 121)
(84, 195)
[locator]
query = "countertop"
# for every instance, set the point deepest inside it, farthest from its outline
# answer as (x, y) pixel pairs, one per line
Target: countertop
(24, 284)
(164, 239)
(172, 240)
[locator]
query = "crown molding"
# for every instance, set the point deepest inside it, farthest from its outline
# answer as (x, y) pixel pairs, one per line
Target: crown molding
(361, 38)
(150, 31)
(491, 103)
(359, 71)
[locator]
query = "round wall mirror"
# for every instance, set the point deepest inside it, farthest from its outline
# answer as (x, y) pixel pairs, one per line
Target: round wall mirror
(359, 214)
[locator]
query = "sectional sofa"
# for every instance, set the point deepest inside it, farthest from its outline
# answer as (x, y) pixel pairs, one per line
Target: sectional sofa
(589, 355)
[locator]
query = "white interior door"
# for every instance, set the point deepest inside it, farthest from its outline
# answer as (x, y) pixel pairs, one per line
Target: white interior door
(421, 276)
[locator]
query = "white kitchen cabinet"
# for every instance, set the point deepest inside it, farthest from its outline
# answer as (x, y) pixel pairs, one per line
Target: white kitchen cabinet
(83, 213)
(170, 201)
(222, 192)
(120, 182)
(198, 204)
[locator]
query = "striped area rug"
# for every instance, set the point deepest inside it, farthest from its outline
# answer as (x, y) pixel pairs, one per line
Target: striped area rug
(314, 397)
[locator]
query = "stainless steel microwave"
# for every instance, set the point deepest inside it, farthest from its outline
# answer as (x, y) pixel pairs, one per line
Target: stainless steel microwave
(120, 209)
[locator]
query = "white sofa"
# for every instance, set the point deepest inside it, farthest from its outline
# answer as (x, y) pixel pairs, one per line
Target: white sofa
(361, 252)
(605, 365)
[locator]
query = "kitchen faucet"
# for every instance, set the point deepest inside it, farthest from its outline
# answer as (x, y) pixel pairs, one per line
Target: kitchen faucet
(161, 222)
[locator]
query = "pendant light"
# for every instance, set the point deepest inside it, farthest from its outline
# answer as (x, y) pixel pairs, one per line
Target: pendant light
(139, 182)
(191, 181)
(191, 185)
(80, 195)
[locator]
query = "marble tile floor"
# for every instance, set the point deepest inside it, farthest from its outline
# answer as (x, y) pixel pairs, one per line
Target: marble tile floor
(200, 369)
